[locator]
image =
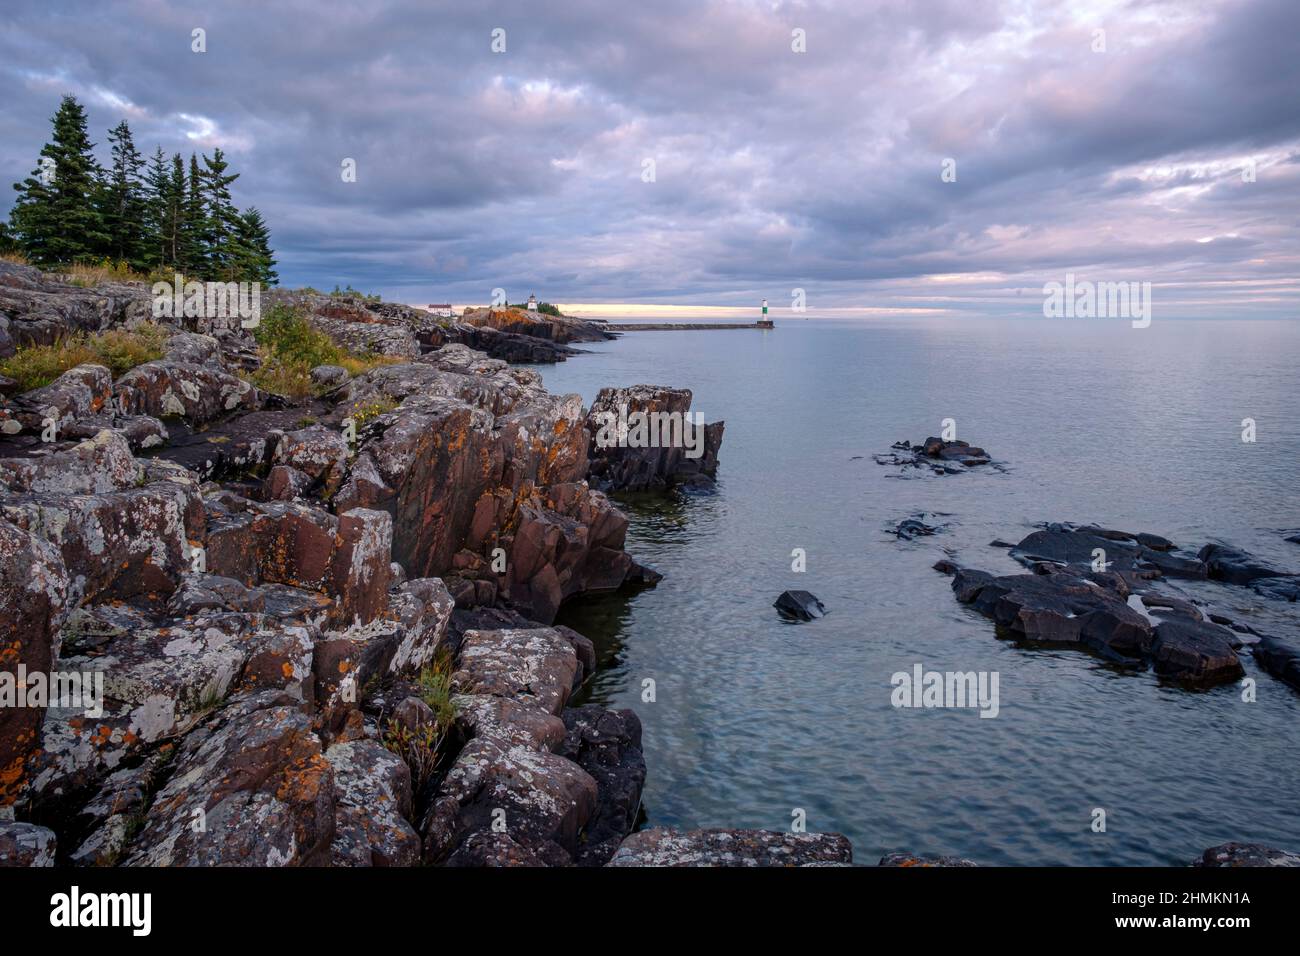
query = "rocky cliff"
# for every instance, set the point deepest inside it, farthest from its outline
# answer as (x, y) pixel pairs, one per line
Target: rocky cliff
(322, 626)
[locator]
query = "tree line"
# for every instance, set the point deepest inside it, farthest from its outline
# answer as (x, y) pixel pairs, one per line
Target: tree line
(155, 216)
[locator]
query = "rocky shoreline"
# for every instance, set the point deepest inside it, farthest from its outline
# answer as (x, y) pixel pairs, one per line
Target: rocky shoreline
(325, 627)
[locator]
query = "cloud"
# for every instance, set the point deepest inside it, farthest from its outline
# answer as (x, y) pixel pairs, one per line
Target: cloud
(773, 169)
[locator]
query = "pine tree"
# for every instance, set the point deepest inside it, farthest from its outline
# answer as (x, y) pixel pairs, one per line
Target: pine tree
(122, 200)
(224, 225)
(258, 261)
(55, 216)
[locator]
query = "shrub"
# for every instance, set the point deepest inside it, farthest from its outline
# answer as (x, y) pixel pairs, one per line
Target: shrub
(291, 347)
(351, 293)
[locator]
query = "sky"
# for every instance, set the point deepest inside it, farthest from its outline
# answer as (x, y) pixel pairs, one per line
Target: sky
(702, 154)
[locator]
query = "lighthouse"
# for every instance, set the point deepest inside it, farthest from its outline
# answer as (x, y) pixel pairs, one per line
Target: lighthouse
(765, 322)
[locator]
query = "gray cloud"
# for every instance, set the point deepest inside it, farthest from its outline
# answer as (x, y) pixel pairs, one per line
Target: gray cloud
(774, 170)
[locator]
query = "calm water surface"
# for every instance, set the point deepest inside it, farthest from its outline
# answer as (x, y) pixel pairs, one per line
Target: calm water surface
(1133, 429)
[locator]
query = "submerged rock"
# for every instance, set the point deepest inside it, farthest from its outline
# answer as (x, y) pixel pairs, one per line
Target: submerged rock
(667, 846)
(1236, 567)
(1091, 610)
(937, 456)
(1245, 854)
(915, 527)
(1117, 551)
(1280, 659)
(921, 860)
(799, 606)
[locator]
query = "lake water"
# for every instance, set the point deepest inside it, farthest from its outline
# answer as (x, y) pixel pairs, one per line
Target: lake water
(1137, 429)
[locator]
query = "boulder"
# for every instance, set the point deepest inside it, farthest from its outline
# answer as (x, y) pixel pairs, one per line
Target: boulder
(250, 788)
(1235, 567)
(1058, 608)
(1195, 651)
(320, 453)
(193, 348)
(423, 607)
(643, 439)
(537, 667)
(401, 640)
(134, 542)
(540, 800)
(667, 846)
(347, 556)
(1280, 659)
(372, 807)
(329, 376)
(43, 308)
(799, 606)
(99, 464)
(160, 680)
(1063, 544)
(197, 593)
(25, 844)
(78, 393)
(936, 456)
(606, 744)
(517, 723)
(199, 394)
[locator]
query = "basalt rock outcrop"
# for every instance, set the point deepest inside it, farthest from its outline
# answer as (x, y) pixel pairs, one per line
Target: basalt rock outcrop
(37, 308)
(936, 456)
(513, 347)
(363, 325)
(644, 438)
(538, 325)
(262, 590)
(1089, 586)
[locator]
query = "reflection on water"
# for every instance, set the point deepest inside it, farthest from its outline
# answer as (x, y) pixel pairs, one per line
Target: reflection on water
(753, 717)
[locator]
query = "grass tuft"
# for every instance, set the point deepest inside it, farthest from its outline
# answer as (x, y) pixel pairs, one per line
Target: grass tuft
(118, 349)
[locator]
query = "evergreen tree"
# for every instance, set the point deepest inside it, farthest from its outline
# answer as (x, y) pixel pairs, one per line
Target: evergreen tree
(122, 200)
(224, 224)
(258, 262)
(149, 215)
(175, 230)
(195, 229)
(55, 216)
(157, 181)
